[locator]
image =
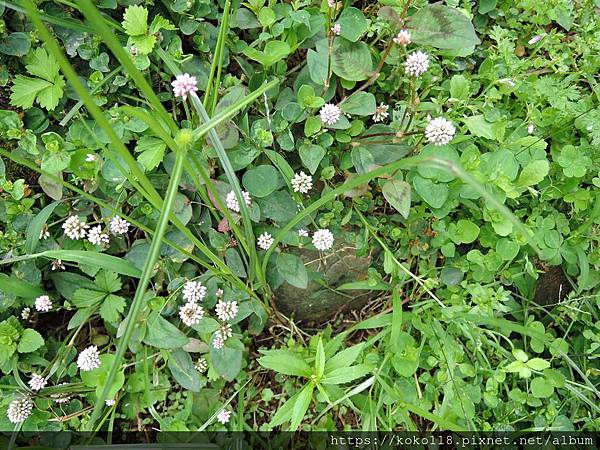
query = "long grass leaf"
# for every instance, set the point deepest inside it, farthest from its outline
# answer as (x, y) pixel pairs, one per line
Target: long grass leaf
(140, 292)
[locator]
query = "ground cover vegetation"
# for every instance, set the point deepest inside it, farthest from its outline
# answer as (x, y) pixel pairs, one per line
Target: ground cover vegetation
(166, 168)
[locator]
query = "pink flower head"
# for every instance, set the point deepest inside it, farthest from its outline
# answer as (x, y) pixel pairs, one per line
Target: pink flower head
(183, 85)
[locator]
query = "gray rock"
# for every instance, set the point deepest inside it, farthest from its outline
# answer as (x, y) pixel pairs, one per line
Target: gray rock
(327, 271)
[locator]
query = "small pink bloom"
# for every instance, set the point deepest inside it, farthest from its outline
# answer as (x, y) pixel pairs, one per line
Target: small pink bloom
(183, 85)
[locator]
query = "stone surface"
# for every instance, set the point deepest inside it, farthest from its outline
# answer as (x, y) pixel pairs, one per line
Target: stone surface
(327, 271)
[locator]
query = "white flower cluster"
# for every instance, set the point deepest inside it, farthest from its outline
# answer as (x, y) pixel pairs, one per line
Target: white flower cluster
(336, 29)
(191, 313)
(323, 239)
(19, 409)
(37, 382)
(193, 291)
(75, 228)
(416, 63)
(265, 241)
(381, 113)
(88, 359)
(226, 310)
(301, 183)
(43, 303)
(97, 237)
(221, 335)
(232, 202)
(184, 84)
(439, 131)
(403, 38)
(330, 114)
(118, 225)
(201, 365)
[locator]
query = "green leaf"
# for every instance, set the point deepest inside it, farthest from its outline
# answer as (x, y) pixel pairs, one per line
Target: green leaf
(538, 364)
(43, 65)
(343, 359)
(285, 362)
(30, 341)
(25, 90)
(112, 308)
(442, 27)
(152, 151)
(227, 360)
(84, 298)
(301, 406)
(317, 67)
(320, 359)
(467, 231)
(398, 194)
(163, 334)
(541, 388)
(351, 60)
(478, 126)
(183, 370)
(108, 281)
(292, 270)
(360, 104)
(18, 287)
(54, 162)
(135, 20)
(346, 374)
(261, 181)
(15, 44)
(311, 155)
(274, 51)
(35, 227)
(94, 259)
(353, 23)
(533, 173)
(433, 194)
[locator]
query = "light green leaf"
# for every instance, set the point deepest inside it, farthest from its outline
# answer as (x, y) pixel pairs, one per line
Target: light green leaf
(135, 20)
(84, 298)
(533, 173)
(320, 359)
(541, 388)
(112, 308)
(346, 374)
(30, 341)
(433, 194)
(353, 23)
(301, 406)
(285, 362)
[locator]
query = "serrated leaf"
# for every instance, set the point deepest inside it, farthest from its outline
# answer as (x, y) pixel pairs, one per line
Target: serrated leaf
(108, 281)
(135, 20)
(84, 298)
(30, 341)
(301, 405)
(25, 90)
(112, 308)
(152, 151)
(43, 65)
